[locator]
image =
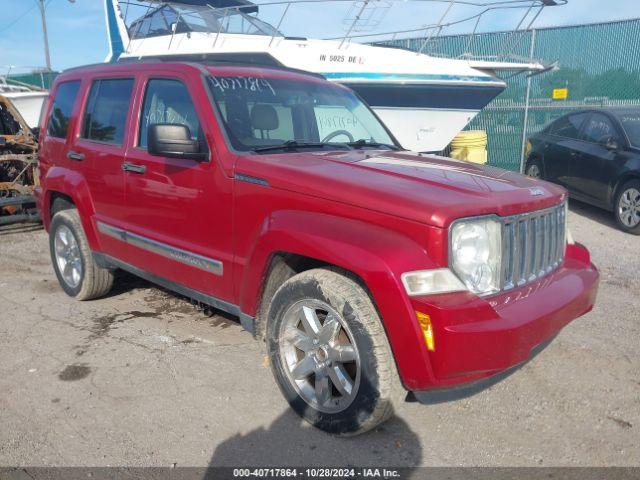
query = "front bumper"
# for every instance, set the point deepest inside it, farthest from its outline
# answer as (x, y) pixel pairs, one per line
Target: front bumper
(467, 389)
(481, 337)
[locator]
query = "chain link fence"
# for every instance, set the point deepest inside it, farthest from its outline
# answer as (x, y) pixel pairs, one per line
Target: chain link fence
(42, 80)
(598, 65)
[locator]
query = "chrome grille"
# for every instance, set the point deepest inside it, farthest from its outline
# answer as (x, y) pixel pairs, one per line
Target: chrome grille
(533, 245)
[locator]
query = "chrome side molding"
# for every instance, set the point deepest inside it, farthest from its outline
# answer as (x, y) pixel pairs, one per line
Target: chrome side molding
(209, 265)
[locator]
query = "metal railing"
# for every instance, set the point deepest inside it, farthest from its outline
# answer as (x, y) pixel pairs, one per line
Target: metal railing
(364, 18)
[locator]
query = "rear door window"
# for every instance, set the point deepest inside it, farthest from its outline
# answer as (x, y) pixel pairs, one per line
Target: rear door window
(168, 101)
(598, 129)
(60, 114)
(107, 108)
(631, 124)
(569, 126)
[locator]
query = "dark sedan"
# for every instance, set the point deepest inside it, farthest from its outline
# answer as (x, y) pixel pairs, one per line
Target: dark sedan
(595, 154)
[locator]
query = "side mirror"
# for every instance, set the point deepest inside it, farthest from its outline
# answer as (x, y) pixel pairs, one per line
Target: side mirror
(173, 140)
(611, 143)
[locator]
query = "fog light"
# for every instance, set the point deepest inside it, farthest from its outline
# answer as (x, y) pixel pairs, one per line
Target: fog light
(427, 331)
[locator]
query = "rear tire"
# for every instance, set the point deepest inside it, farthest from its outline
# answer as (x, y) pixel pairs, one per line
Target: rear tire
(626, 208)
(78, 274)
(330, 354)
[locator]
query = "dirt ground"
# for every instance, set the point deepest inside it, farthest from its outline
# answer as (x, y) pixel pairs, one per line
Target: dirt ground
(142, 378)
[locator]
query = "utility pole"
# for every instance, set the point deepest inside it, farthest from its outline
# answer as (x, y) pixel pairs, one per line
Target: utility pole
(43, 15)
(526, 104)
(47, 57)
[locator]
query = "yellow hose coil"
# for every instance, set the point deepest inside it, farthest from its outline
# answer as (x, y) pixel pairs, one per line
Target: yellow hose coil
(470, 145)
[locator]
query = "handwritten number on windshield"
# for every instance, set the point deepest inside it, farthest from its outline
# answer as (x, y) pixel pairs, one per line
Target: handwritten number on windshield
(251, 84)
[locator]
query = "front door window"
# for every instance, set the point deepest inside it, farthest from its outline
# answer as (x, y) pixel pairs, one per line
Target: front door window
(168, 101)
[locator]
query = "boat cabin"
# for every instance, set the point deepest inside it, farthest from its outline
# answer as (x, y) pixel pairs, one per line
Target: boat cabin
(208, 16)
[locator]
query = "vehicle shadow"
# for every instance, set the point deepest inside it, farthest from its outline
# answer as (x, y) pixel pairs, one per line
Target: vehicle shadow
(291, 442)
(596, 214)
(125, 282)
(164, 300)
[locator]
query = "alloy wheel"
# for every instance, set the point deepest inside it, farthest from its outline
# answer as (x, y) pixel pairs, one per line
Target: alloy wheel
(319, 355)
(68, 259)
(629, 207)
(534, 171)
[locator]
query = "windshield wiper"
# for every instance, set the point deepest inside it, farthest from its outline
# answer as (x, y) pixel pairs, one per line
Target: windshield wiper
(366, 143)
(295, 145)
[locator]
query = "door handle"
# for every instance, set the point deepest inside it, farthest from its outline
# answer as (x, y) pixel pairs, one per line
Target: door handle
(77, 156)
(131, 167)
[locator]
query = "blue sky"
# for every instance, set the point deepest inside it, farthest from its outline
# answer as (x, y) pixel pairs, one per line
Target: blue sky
(77, 31)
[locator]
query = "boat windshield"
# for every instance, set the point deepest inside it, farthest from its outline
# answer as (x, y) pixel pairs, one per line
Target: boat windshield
(631, 124)
(166, 19)
(263, 114)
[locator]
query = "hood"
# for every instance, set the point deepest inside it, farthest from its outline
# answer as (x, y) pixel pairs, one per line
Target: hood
(425, 188)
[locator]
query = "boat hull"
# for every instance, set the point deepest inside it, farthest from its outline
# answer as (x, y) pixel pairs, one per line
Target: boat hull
(425, 117)
(425, 101)
(29, 104)
(424, 130)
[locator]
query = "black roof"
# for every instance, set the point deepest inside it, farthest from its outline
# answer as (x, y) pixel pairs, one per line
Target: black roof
(610, 110)
(622, 110)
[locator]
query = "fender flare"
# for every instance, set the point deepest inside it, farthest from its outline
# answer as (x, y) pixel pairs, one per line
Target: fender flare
(72, 184)
(375, 254)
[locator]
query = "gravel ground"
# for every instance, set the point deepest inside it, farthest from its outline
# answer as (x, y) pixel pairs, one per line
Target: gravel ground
(143, 378)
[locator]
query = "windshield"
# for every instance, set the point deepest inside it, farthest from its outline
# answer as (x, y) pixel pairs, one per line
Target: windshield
(165, 19)
(631, 124)
(261, 112)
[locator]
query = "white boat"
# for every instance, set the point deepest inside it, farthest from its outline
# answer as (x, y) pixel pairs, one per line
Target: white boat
(424, 100)
(28, 101)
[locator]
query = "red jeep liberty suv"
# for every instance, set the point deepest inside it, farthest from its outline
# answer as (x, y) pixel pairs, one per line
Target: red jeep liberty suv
(279, 197)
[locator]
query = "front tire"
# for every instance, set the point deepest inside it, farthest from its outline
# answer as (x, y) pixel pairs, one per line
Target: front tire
(330, 354)
(78, 274)
(627, 207)
(534, 169)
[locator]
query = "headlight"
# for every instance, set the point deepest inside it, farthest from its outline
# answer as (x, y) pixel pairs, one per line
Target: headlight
(476, 254)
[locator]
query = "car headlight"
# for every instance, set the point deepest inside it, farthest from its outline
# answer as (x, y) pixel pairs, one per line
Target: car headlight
(476, 254)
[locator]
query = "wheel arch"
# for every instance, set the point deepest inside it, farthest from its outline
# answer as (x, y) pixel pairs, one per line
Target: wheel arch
(70, 189)
(375, 257)
(283, 265)
(618, 184)
(59, 201)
